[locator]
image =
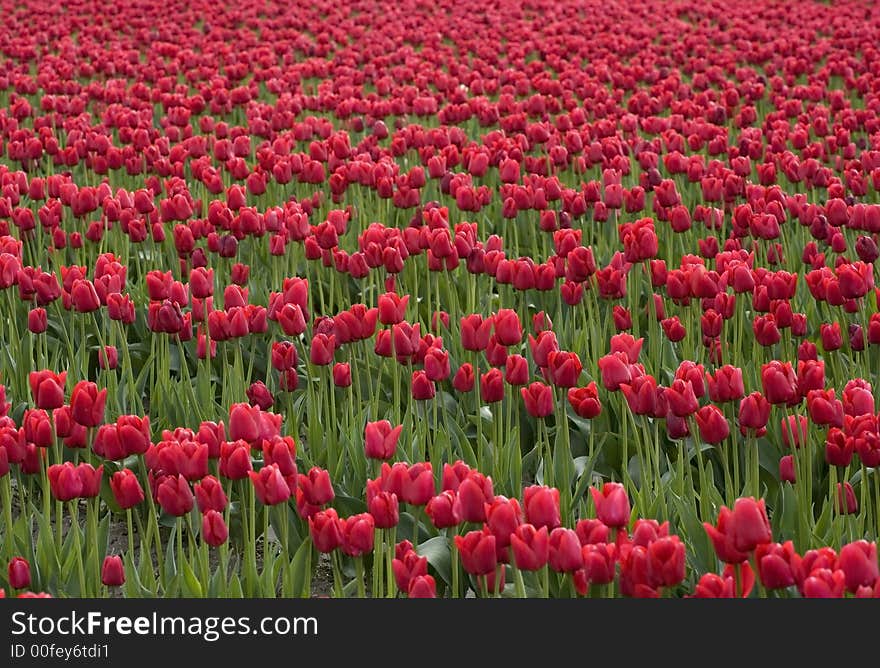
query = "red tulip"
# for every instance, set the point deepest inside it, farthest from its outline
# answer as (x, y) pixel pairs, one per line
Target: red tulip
(90, 477)
(47, 388)
(565, 551)
(775, 564)
(210, 495)
(858, 561)
(530, 547)
(407, 566)
(477, 550)
(19, 572)
(422, 586)
(585, 401)
(666, 561)
(541, 504)
(442, 510)
(538, 399)
(475, 332)
(794, 430)
(112, 572)
(235, 459)
(726, 384)
(384, 508)
(423, 388)
(473, 494)
(600, 562)
(612, 504)
(380, 439)
(175, 496)
(357, 534)
(270, 485)
(463, 381)
(681, 399)
(492, 386)
(564, 368)
(713, 426)
(214, 529)
(754, 412)
(750, 524)
(316, 486)
(322, 349)
(87, 404)
(779, 383)
(38, 321)
(64, 481)
(126, 489)
(325, 529)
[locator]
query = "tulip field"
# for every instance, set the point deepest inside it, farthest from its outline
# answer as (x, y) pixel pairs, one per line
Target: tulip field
(439, 299)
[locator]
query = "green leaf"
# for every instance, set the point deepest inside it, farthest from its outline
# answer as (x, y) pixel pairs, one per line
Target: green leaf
(235, 590)
(787, 519)
(301, 570)
(694, 535)
(436, 550)
(190, 582)
(266, 584)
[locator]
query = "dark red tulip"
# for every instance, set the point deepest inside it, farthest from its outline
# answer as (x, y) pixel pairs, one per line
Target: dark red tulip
(19, 572)
(112, 572)
(259, 395)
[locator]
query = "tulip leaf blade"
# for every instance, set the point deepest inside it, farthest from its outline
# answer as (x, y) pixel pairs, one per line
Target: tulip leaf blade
(436, 550)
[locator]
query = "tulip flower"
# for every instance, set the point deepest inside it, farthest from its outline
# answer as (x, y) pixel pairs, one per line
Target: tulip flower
(530, 547)
(214, 530)
(19, 573)
(112, 572)
(477, 550)
(612, 504)
(380, 439)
